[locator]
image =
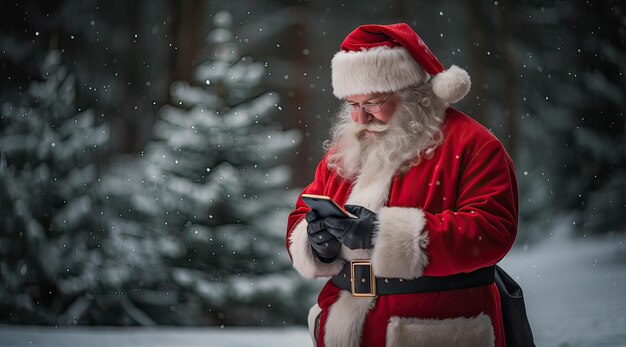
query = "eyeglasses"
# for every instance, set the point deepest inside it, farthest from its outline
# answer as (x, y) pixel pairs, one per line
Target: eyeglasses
(369, 108)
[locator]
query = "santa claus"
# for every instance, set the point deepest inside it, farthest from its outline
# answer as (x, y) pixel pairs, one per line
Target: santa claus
(434, 195)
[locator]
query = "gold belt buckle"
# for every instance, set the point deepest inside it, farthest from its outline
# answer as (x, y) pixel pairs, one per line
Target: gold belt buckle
(353, 265)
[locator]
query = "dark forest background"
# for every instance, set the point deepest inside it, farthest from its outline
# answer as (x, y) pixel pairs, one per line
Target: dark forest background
(150, 150)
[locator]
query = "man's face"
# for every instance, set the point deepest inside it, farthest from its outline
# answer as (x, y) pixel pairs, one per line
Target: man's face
(381, 105)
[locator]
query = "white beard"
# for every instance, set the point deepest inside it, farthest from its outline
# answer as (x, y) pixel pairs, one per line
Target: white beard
(412, 134)
(373, 148)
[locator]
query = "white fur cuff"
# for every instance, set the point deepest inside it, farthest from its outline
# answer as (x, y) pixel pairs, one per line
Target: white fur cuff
(304, 261)
(399, 244)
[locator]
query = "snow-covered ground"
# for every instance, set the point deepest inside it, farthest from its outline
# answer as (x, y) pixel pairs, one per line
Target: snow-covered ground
(153, 337)
(575, 292)
(574, 289)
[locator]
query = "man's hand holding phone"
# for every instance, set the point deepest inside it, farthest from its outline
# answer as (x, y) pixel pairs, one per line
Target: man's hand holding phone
(330, 224)
(325, 246)
(355, 233)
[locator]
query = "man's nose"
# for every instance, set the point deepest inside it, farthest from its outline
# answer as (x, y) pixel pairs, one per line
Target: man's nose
(363, 117)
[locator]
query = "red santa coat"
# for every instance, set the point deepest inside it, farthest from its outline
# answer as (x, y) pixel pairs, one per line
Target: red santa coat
(453, 213)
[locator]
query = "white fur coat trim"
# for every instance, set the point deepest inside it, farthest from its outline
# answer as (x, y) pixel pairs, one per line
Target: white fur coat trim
(304, 261)
(400, 243)
(453, 332)
(344, 325)
(370, 190)
(314, 313)
(345, 321)
(371, 187)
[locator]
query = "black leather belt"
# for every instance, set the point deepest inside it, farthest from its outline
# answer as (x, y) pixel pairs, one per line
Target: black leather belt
(358, 278)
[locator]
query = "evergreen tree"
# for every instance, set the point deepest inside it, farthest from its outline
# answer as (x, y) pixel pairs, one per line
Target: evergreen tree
(49, 248)
(211, 184)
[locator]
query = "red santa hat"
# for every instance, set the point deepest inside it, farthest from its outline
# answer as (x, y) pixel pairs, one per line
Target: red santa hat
(384, 58)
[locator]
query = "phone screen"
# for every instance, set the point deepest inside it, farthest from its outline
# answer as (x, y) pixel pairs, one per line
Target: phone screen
(325, 206)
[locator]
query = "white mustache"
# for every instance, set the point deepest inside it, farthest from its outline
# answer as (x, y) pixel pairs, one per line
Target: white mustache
(373, 127)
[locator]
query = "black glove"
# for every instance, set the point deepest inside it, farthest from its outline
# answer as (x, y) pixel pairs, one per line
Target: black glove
(325, 246)
(355, 233)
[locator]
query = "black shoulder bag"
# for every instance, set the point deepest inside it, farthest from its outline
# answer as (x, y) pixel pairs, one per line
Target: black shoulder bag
(516, 326)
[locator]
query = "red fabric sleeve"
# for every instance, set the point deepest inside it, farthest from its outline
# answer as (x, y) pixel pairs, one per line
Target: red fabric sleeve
(483, 227)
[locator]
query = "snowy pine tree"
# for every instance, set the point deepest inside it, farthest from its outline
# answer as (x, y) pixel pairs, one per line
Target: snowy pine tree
(49, 250)
(211, 184)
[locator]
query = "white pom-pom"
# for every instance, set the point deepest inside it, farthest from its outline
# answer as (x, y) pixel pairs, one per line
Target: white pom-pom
(451, 85)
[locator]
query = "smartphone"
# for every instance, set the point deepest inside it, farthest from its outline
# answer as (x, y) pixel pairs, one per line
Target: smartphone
(324, 206)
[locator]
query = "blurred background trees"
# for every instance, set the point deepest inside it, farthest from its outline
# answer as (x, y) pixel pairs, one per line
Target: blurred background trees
(144, 158)
(48, 244)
